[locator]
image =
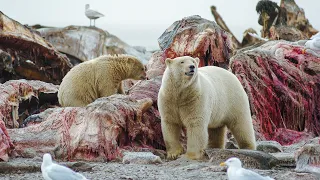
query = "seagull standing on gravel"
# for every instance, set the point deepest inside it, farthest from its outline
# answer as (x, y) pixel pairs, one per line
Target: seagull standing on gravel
(52, 171)
(92, 14)
(236, 172)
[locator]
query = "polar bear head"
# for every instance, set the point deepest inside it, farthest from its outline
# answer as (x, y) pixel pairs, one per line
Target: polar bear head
(134, 68)
(182, 69)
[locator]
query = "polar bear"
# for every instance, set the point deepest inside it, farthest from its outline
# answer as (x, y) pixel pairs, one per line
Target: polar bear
(205, 101)
(99, 77)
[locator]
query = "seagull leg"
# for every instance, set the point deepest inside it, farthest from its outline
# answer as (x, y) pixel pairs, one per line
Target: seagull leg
(94, 23)
(90, 22)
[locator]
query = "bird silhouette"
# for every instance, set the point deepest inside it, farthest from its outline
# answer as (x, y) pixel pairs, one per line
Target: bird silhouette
(92, 14)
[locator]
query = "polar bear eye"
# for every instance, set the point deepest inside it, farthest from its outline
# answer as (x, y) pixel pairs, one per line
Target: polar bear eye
(182, 62)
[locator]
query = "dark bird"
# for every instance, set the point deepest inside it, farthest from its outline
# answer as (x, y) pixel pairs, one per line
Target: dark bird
(270, 14)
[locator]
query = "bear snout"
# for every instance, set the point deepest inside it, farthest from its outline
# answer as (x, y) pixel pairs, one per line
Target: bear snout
(192, 67)
(143, 77)
(191, 70)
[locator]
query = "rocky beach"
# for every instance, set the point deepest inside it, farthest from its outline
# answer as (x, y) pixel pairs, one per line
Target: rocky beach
(279, 72)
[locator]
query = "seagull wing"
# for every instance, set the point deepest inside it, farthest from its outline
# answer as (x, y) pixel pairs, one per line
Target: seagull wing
(93, 13)
(250, 175)
(56, 172)
(316, 43)
(315, 36)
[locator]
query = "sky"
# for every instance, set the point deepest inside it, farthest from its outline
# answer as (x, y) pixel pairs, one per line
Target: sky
(141, 22)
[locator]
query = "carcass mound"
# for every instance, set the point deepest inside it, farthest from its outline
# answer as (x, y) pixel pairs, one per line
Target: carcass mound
(25, 54)
(97, 132)
(192, 36)
(283, 85)
(82, 43)
(197, 37)
(6, 145)
(21, 98)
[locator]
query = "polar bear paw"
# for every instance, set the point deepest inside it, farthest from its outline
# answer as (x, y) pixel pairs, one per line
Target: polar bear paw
(194, 155)
(175, 153)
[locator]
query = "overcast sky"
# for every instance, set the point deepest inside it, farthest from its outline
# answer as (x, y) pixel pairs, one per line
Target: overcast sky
(141, 22)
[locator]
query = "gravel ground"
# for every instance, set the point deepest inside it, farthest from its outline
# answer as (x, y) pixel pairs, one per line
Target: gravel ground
(179, 169)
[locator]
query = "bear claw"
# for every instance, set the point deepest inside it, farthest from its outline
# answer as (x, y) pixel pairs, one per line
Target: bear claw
(174, 154)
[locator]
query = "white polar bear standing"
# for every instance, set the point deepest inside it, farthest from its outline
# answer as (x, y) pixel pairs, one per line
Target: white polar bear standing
(205, 100)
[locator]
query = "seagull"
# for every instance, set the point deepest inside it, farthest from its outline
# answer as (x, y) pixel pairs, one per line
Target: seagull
(315, 36)
(92, 14)
(312, 46)
(53, 171)
(236, 172)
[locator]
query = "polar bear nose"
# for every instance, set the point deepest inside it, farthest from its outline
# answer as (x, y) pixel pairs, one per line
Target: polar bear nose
(191, 67)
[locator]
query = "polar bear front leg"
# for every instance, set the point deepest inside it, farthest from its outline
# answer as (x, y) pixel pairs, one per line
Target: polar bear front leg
(197, 140)
(171, 134)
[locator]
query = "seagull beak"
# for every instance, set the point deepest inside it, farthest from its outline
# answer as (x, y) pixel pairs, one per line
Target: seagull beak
(222, 164)
(304, 51)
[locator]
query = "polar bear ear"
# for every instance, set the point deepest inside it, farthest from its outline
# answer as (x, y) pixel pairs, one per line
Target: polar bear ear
(197, 60)
(168, 61)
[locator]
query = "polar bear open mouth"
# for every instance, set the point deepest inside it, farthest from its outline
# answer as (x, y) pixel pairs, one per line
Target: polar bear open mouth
(190, 73)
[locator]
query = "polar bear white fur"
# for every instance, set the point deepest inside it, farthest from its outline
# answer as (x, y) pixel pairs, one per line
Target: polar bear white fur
(205, 101)
(99, 77)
